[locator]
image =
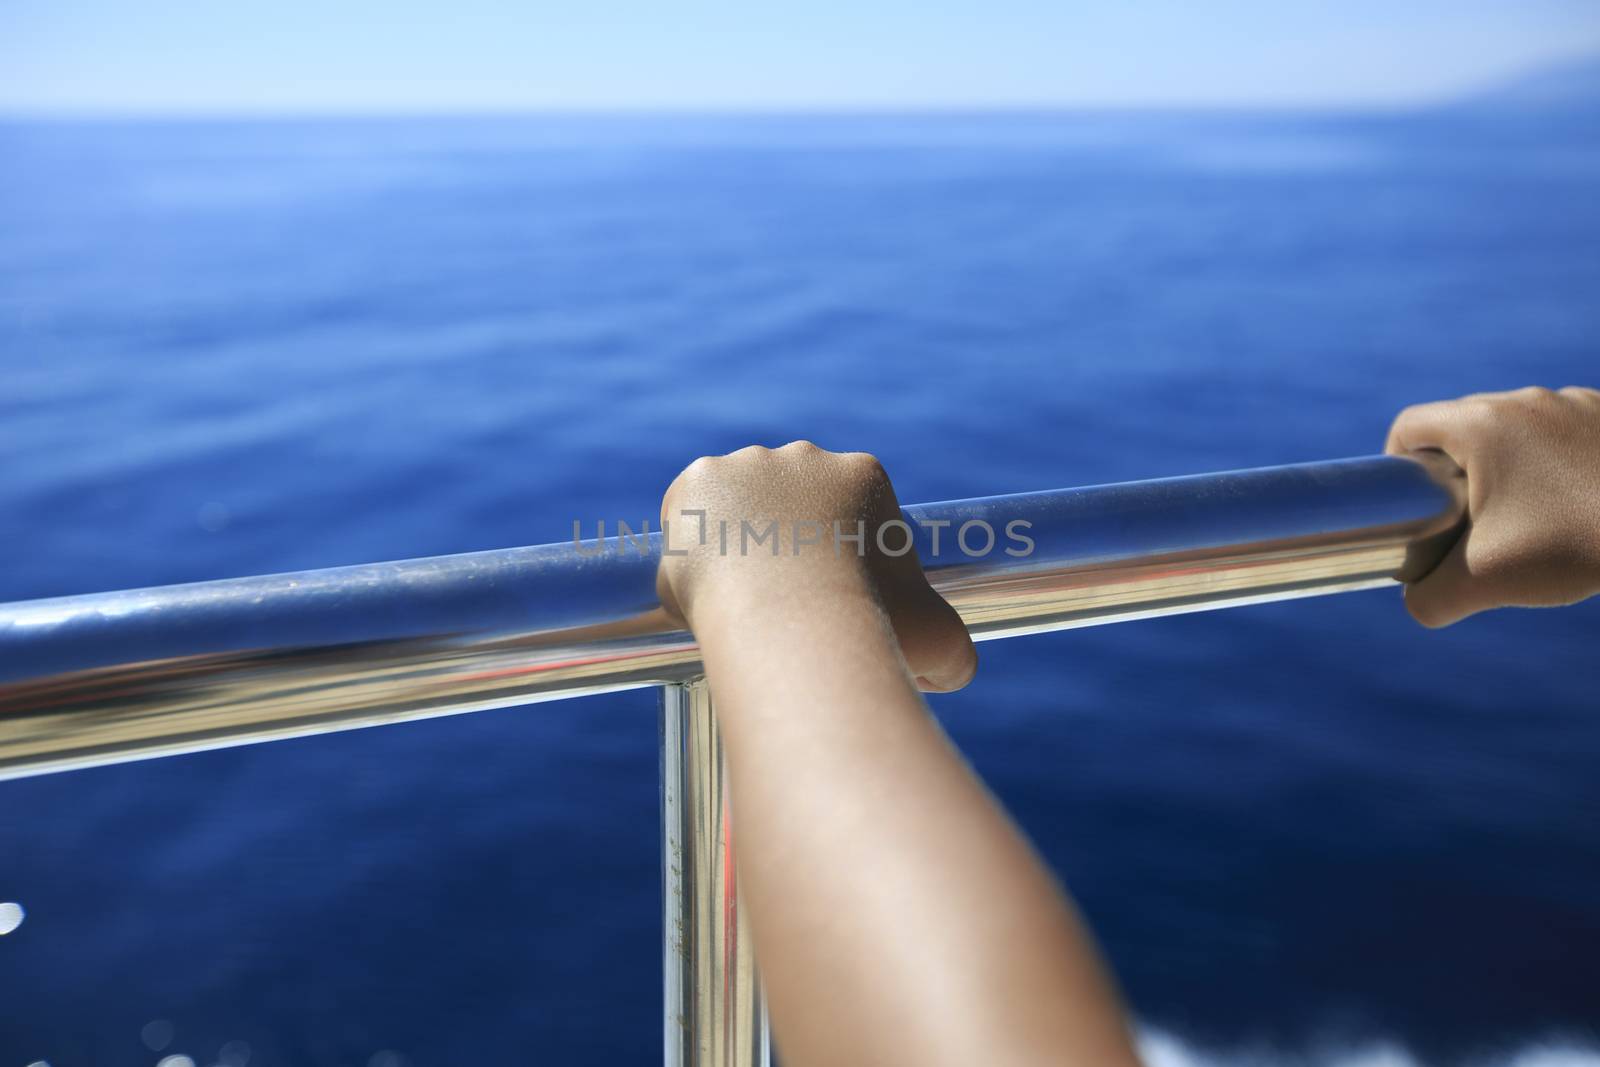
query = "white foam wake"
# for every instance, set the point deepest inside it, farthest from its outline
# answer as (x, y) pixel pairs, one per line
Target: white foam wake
(1161, 1049)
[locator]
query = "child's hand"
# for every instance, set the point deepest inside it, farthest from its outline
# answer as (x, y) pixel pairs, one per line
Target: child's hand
(753, 536)
(1532, 460)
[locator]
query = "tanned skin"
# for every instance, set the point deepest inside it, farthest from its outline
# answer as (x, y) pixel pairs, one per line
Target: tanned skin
(899, 916)
(1532, 460)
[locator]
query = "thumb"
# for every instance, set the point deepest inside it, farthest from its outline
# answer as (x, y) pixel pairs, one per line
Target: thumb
(934, 641)
(1450, 592)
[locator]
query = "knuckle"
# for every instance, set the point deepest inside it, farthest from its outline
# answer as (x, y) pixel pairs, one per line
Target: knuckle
(1532, 398)
(702, 470)
(1482, 415)
(864, 463)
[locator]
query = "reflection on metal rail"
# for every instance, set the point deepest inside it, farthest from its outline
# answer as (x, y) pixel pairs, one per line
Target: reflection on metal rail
(117, 676)
(114, 676)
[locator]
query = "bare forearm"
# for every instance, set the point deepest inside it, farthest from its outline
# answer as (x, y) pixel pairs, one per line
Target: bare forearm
(898, 916)
(892, 851)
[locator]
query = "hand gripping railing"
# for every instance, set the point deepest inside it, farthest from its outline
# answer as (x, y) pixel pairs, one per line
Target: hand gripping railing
(107, 677)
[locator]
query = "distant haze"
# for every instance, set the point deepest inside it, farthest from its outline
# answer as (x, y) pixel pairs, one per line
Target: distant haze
(296, 56)
(1559, 87)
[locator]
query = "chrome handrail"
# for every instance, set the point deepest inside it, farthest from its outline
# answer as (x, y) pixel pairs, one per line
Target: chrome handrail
(106, 677)
(114, 676)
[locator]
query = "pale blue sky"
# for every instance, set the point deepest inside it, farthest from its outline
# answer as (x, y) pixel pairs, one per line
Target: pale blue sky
(407, 55)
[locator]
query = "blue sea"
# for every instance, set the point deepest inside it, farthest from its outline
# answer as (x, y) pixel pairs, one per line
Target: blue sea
(1305, 833)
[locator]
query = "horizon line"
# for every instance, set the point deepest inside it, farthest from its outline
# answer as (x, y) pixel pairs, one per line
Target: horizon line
(863, 109)
(1438, 99)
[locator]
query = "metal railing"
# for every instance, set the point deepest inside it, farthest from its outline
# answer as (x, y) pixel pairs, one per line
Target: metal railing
(107, 677)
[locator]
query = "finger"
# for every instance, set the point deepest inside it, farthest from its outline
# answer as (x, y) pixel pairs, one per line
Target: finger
(1450, 592)
(697, 469)
(1442, 425)
(934, 641)
(668, 597)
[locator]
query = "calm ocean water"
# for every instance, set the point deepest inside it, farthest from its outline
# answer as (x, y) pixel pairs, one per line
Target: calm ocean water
(1303, 831)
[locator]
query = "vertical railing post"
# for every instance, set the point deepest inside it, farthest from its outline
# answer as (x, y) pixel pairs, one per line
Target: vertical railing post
(713, 1011)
